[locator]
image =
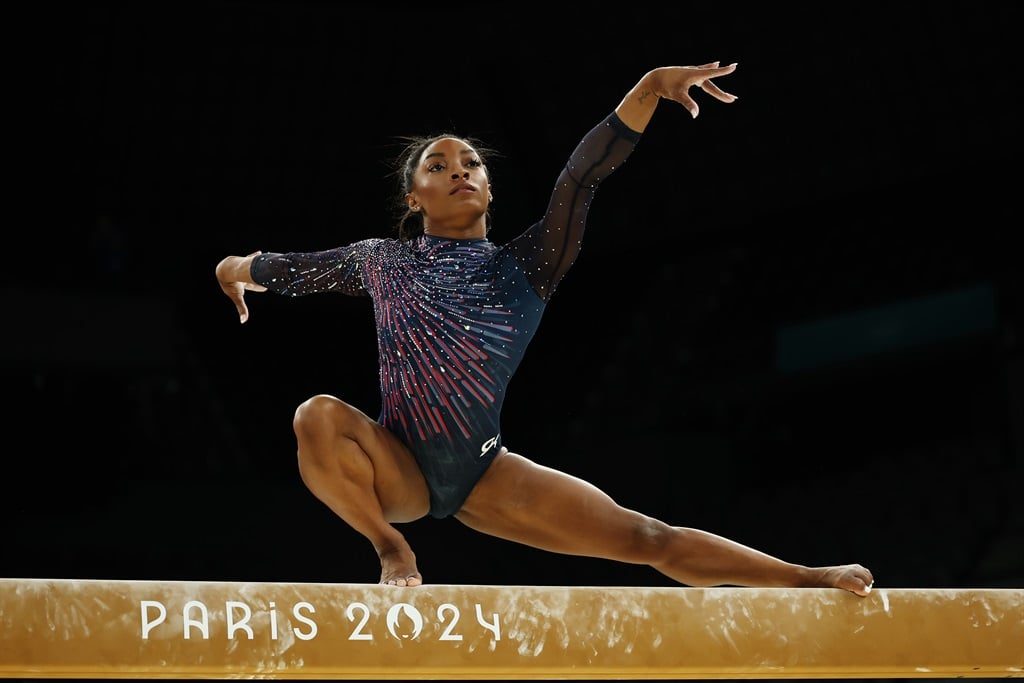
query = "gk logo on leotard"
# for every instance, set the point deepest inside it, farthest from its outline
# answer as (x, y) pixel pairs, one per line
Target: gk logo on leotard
(489, 444)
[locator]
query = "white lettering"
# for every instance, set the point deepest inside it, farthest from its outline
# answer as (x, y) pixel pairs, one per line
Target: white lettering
(229, 609)
(305, 620)
(448, 607)
(350, 612)
(148, 625)
(203, 624)
(273, 621)
(493, 628)
(403, 621)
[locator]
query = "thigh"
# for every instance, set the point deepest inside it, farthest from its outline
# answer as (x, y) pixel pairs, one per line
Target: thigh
(343, 439)
(521, 501)
(398, 480)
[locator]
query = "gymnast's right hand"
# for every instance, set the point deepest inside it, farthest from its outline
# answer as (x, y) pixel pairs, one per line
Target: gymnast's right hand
(233, 276)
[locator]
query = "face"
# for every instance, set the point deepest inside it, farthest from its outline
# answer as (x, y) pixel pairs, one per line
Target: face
(450, 188)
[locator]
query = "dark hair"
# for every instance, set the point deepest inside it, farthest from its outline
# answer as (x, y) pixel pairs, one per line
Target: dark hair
(410, 223)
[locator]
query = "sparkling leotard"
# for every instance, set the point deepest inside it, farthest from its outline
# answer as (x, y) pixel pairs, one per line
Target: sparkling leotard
(454, 317)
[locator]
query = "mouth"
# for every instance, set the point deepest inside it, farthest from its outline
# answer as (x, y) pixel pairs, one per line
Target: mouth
(463, 187)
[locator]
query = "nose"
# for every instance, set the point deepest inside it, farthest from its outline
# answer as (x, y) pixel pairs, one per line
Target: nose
(456, 176)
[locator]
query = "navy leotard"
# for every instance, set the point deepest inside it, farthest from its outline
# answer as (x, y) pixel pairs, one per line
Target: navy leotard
(454, 317)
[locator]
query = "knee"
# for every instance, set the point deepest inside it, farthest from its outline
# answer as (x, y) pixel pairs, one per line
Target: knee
(652, 539)
(319, 416)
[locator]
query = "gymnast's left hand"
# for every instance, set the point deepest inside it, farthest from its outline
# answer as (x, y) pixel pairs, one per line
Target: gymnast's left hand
(674, 83)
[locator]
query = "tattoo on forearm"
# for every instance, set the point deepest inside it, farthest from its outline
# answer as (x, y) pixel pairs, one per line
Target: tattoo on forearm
(644, 95)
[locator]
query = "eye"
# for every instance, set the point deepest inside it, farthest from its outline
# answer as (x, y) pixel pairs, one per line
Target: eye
(433, 168)
(474, 163)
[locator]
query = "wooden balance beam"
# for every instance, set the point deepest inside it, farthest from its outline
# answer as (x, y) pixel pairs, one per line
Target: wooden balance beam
(57, 628)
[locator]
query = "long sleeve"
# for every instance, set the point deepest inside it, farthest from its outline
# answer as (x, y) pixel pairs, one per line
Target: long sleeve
(549, 247)
(300, 273)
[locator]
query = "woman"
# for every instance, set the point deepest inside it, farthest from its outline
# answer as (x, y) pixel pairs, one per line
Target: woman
(454, 314)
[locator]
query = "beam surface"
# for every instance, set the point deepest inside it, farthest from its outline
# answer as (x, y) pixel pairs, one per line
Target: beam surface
(65, 628)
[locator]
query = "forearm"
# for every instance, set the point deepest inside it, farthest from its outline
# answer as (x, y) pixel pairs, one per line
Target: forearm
(637, 107)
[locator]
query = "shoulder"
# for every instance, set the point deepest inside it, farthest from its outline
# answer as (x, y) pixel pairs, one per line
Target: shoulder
(372, 246)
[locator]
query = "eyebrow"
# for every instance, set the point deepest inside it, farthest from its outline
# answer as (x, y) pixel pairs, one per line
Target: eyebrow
(468, 150)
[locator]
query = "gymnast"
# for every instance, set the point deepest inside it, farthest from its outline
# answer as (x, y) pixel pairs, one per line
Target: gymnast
(454, 314)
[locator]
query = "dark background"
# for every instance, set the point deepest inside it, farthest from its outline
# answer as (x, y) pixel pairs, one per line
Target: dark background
(796, 321)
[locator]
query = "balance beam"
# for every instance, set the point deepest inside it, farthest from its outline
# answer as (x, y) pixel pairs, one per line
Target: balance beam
(60, 628)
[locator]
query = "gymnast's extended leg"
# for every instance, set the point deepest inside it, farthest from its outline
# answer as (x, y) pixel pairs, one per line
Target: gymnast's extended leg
(522, 501)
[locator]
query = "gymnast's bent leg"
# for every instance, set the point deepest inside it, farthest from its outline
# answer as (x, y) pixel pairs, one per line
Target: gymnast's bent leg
(363, 473)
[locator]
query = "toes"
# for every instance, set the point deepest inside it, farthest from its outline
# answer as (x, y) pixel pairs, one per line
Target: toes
(407, 581)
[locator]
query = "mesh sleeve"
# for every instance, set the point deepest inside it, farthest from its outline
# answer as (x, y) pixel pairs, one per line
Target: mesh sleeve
(549, 247)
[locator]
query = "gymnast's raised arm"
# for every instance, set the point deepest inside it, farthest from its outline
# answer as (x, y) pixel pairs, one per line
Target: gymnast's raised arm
(550, 246)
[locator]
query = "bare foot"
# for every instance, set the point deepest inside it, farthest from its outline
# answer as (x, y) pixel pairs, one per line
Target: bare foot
(398, 568)
(850, 577)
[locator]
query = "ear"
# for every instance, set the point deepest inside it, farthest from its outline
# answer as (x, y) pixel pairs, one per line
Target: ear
(411, 201)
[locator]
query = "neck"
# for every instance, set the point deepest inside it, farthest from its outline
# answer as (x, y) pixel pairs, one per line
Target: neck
(476, 230)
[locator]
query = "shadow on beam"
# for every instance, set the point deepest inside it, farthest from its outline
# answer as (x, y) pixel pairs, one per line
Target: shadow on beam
(61, 628)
